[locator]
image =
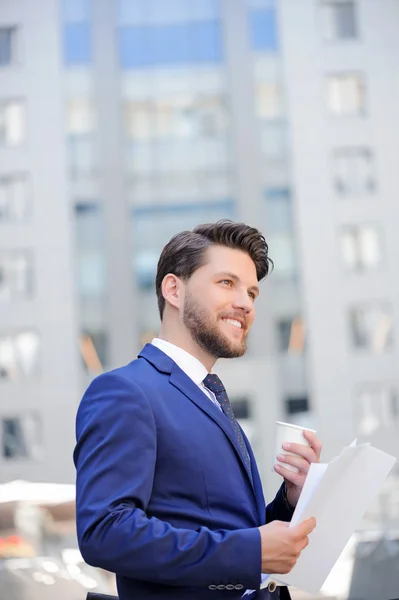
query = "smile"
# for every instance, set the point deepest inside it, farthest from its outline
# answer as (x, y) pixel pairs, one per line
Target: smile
(233, 322)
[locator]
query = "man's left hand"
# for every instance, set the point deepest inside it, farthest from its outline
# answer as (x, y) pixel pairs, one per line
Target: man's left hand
(304, 457)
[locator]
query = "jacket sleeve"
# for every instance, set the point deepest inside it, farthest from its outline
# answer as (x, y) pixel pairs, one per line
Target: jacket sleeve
(115, 458)
(279, 509)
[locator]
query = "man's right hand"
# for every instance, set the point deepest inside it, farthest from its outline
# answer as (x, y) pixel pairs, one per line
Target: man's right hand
(282, 545)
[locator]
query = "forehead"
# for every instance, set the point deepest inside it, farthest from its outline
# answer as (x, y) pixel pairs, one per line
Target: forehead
(219, 259)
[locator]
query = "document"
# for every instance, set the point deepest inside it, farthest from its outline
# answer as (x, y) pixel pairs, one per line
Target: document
(337, 494)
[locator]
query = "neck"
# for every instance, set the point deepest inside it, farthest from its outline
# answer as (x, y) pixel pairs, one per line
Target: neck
(183, 340)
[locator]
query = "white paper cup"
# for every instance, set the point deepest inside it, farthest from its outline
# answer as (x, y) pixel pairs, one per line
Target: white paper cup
(285, 432)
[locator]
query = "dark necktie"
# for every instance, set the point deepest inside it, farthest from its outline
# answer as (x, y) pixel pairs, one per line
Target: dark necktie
(213, 383)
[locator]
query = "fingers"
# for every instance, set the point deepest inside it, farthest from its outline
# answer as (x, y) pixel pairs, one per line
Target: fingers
(295, 461)
(314, 442)
(304, 528)
(303, 451)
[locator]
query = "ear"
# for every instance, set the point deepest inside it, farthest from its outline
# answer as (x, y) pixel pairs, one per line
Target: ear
(172, 290)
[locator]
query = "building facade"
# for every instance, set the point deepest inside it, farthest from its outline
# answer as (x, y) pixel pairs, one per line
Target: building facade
(122, 123)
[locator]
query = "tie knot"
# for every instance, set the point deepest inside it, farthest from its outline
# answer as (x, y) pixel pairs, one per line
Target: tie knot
(213, 383)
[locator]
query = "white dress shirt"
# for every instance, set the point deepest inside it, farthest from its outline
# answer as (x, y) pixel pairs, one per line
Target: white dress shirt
(191, 366)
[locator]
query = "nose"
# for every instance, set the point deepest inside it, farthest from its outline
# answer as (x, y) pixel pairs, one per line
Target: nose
(243, 302)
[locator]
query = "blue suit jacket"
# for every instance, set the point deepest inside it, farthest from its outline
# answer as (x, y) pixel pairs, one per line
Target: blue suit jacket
(163, 498)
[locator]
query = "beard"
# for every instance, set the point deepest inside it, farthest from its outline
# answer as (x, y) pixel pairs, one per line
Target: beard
(206, 333)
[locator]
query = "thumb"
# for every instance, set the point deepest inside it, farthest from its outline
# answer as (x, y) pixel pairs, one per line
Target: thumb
(305, 527)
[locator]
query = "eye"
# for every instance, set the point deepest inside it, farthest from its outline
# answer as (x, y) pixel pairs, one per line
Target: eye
(252, 295)
(227, 282)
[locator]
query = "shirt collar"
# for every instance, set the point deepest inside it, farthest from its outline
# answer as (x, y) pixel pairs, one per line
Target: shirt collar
(190, 365)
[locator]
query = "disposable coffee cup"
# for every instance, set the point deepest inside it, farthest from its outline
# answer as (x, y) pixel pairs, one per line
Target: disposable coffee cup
(285, 432)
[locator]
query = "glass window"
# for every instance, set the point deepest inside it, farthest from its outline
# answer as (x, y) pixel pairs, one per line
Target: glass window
(354, 171)
(94, 350)
(268, 100)
(8, 46)
(263, 29)
(81, 116)
(76, 11)
(82, 155)
(178, 44)
(177, 117)
(12, 122)
(151, 12)
(77, 44)
(376, 407)
(16, 275)
(346, 94)
(283, 254)
(19, 355)
(14, 198)
(339, 20)
(371, 327)
(291, 335)
(273, 139)
(21, 437)
(360, 247)
(279, 210)
(90, 249)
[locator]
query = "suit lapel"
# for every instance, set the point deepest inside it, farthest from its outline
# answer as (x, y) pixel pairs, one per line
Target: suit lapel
(185, 385)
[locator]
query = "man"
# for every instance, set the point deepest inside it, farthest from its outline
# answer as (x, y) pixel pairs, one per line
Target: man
(168, 492)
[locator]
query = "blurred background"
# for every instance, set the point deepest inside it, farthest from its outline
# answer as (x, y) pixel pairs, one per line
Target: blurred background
(123, 122)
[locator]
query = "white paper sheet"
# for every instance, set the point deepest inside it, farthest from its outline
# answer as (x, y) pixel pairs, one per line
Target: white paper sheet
(338, 495)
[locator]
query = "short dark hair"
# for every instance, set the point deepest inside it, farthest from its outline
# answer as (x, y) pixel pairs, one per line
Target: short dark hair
(185, 252)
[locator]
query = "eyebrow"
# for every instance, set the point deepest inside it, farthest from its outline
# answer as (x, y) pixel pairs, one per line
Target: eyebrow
(253, 288)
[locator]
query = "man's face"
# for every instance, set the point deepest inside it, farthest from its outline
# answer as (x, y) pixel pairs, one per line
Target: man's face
(219, 300)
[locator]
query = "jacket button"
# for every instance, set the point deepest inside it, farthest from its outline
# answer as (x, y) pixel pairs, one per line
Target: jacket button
(221, 587)
(239, 586)
(230, 586)
(213, 587)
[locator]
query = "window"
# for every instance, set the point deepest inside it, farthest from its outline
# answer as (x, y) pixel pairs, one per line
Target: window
(291, 335)
(16, 274)
(81, 116)
(338, 20)
(94, 350)
(376, 406)
(75, 11)
(360, 247)
(14, 198)
(279, 210)
(263, 29)
(187, 43)
(268, 101)
(8, 46)
(90, 249)
(150, 12)
(82, 156)
(283, 254)
(273, 140)
(183, 117)
(293, 406)
(19, 355)
(77, 44)
(354, 172)
(371, 327)
(346, 94)
(12, 122)
(21, 437)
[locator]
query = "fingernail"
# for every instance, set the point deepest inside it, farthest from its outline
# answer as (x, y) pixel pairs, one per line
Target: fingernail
(277, 468)
(281, 457)
(286, 446)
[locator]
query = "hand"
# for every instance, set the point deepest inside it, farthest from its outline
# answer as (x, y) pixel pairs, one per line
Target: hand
(282, 545)
(305, 455)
